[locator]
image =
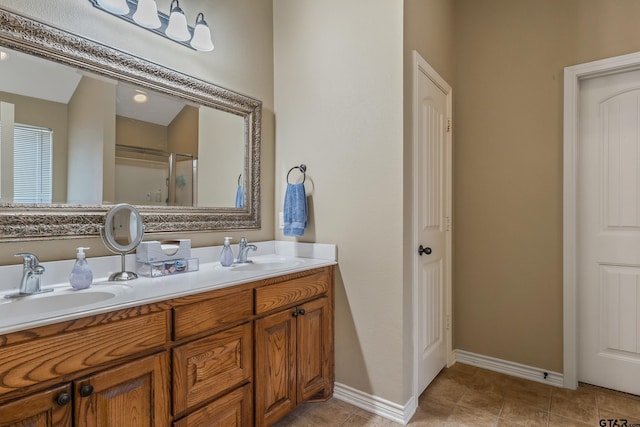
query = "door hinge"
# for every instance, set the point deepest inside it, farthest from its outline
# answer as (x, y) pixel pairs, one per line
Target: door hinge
(448, 322)
(448, 125)
(447, 221)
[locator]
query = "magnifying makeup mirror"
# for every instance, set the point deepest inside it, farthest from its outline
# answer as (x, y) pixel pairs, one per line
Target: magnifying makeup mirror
(122, 233)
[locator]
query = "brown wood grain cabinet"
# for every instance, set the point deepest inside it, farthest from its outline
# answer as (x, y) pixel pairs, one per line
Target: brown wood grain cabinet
(133, 394)
(49, 408)
(238, 356)
(294, 348)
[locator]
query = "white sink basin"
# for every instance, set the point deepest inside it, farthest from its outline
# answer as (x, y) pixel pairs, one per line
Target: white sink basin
(266, 265)
(53, 301)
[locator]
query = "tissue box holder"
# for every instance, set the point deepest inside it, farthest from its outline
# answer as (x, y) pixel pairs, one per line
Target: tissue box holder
(151, 251)
(168, 268)
(153, 261)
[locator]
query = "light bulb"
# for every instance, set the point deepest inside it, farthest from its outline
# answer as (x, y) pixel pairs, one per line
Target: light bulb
(147, 14)
(177, 28)
(140, 97)
(201, 35)
(118, 7)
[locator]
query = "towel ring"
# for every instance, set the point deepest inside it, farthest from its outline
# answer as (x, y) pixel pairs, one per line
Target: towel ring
(303, 169)
(239, 178)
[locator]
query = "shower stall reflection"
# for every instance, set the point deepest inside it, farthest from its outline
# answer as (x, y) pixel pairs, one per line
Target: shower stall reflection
(146, 176)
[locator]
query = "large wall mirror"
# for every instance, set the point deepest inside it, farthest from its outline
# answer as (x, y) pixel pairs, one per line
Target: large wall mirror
(84, 127)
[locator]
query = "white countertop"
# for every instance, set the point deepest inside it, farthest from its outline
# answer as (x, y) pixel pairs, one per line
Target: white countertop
(273, 258)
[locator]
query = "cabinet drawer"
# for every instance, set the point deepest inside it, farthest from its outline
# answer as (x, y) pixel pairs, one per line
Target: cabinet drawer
(211, 365)
(282, 294)
(231, 410)
(211, 314)
(43, 359)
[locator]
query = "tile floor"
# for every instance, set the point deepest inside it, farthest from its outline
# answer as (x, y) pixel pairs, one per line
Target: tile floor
(464, 395)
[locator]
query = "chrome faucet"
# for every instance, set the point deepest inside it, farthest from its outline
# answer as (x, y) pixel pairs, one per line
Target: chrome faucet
(31, 274)
(243, 249)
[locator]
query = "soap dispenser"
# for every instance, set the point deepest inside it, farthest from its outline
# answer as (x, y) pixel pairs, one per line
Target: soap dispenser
(226, 256)
(81, 275)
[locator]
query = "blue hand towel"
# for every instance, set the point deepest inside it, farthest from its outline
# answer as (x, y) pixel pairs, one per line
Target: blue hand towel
(295, 210)
(240, 197)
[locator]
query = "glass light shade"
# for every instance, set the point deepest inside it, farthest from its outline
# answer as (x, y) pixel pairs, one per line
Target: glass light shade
(147, 14)
(177, 28)
(118, 7)
(201, 35)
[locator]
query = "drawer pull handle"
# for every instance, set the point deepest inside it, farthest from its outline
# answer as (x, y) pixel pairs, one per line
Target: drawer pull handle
(294, 314)
(63, 399)
(86, 390)
(302, 312)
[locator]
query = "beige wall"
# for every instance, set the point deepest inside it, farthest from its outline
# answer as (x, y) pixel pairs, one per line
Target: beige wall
(224, 154)
(183, 131)
(91, 146)
(509, 61)
(338, 86)
(7, 120)
(242, 61)
(52, 115)
(138, 133)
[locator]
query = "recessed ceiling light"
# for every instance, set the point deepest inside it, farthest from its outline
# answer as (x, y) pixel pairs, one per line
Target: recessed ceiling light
(140, 97)
(3, 55)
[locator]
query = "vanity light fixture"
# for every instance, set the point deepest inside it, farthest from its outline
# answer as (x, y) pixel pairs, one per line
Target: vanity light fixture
(201, 35)
(177, 28)
(144, 13)
(147, 14)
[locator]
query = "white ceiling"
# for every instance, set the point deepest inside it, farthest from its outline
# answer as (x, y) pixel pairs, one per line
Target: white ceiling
(38, 78)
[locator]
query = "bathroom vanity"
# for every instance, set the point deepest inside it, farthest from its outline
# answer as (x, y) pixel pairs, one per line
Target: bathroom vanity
(224, 348)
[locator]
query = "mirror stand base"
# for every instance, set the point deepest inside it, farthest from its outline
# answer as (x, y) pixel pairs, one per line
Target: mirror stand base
(122, 276)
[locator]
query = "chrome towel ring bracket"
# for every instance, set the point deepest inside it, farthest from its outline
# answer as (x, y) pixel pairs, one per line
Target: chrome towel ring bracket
(302, 168)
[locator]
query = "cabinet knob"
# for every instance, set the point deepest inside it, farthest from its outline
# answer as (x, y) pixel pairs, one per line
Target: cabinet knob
(86, 390)
(294, 314)
(63, 399)
(302, 312)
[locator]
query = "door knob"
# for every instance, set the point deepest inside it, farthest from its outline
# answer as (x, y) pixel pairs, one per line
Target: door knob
(422, 250)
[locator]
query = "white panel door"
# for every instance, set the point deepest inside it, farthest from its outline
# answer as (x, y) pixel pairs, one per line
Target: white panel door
(431, 170)
(608, 242)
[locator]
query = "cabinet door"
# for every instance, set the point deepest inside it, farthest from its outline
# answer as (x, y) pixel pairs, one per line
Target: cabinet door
(51, 408)
(209, 366)
(134, 395)
(275, 371)
(231, 410)
(314, 350)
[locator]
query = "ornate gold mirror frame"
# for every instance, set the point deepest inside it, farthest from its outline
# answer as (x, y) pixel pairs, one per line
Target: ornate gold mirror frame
(32, 222)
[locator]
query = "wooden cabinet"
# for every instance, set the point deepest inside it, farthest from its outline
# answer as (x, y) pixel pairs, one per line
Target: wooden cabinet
(231, 410)
(50, 408)
(294, 347)
(135, 394)
(237, 356)
(210, 366)
(275, 380)
(315, 351)
(214, 367)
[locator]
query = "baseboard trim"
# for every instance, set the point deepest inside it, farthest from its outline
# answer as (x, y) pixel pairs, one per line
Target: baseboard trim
(376, 405)
(510, 368)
